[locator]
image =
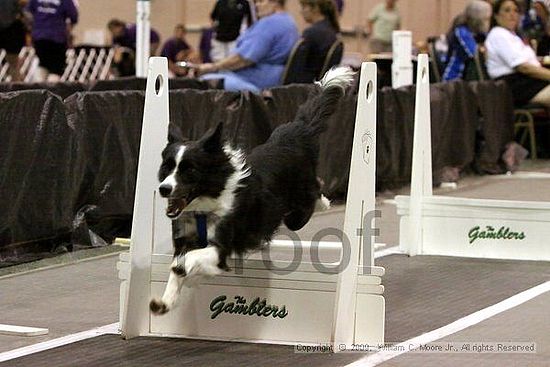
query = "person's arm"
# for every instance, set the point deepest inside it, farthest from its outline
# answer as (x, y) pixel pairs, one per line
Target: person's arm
(370, 25)
(373, 16)
(175, 69)
(537, 72)
(233, 62)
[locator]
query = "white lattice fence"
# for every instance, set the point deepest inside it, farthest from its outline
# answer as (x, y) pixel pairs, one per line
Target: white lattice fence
(83, 64)
(3, 66)
(29, 64)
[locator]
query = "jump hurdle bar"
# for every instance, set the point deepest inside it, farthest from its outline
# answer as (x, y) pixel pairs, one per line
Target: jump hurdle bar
(453, 226)
(304, 305)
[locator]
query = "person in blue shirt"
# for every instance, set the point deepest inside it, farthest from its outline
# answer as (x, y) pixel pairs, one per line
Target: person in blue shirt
(463, 38)
(260, 55)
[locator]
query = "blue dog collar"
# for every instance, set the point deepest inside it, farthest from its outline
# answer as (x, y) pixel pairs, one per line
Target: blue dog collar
(201, 224)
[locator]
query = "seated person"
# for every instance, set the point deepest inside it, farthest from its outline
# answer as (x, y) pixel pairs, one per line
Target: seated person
(463, 38)
(318, 38)
(124, 38)
(510, 59)
(259, 58)
(177, 49)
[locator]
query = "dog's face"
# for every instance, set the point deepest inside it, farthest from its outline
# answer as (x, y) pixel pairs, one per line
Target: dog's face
(193, 171)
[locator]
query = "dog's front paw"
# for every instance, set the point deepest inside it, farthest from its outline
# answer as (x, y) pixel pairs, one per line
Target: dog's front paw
(158, 307)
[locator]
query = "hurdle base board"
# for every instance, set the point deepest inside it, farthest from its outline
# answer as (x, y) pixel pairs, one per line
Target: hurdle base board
(22, 330)
(307, 295)
(467, 227)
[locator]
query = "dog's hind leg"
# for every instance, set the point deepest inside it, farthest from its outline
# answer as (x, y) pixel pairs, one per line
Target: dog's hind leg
(187, 270)
(298, 218)
(322, 204)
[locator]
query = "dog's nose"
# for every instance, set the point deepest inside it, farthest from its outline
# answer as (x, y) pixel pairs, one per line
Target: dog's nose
(165, 190)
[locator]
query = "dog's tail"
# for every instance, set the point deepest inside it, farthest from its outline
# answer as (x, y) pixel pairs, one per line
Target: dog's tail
(317, 109)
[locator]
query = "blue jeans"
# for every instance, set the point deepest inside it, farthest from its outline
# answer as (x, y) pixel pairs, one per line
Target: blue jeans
(232, 81)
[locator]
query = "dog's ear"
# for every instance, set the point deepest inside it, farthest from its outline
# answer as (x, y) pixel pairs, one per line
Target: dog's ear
(174, 134)
(211, 142)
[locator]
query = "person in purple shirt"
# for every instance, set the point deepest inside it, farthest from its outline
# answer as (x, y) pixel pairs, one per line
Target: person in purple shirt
(177, 49)
(124, 39)
(50, 36)
(259, 58)
(125, 35)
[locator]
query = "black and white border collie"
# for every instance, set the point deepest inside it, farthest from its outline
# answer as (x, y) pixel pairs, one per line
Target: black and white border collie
(244, 199)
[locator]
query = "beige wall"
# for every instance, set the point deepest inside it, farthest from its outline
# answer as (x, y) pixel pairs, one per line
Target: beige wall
(423, 17)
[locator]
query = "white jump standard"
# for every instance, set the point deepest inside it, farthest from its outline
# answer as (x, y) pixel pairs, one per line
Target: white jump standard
(269, 296)
(451, 226)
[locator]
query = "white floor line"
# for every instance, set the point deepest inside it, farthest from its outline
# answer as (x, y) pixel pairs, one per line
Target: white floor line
(454, 327)
(54, 343)
(521, 175)
(55, 266)
(17, 330)
(387, 251)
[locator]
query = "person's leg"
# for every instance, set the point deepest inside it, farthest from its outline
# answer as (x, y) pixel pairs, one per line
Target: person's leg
(229, 47)
(375, 46)
(52, 58)
(41, 51)
(217, 51)
(232, 81)
(387, 47)
(58, 61)
(12, 40)
(543, 97)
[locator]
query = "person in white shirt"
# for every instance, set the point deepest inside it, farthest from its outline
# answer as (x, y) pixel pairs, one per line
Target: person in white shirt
(514, 61)
(383, 19)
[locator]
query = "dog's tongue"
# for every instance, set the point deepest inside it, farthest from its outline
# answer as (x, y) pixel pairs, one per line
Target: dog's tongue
(175, 206)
